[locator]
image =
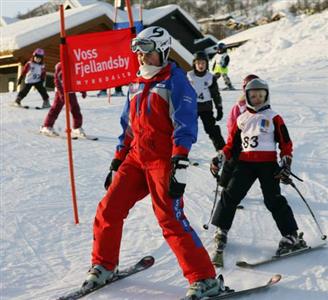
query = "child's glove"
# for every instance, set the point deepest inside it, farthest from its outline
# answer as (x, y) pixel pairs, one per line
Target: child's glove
(217, 163)
(115, 164)
(178, 176)
(219, 113)
(285, 170)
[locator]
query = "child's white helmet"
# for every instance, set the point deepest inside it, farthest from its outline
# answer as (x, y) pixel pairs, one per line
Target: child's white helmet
(257, 84)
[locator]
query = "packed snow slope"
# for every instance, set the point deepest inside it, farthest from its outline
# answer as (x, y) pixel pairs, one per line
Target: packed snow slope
(44, 254)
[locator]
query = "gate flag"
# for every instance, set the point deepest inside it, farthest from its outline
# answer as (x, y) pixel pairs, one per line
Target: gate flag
(101, 60)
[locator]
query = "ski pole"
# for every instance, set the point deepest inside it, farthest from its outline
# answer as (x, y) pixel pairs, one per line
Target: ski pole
(323, 236)
(300, 179)
(205, 226)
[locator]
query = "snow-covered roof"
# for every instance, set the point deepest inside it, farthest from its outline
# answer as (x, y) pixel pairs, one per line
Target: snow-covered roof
(29, 31)
(206, 37)
(4, 21)
(182, 51)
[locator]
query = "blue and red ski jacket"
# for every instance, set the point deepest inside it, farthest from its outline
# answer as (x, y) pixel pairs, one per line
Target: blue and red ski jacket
(159, 119)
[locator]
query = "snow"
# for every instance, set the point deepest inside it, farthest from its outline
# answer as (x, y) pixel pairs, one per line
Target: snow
(44, 254)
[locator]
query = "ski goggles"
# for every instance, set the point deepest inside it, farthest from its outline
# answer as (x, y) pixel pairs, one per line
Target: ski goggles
(257, 95)
(143, 45)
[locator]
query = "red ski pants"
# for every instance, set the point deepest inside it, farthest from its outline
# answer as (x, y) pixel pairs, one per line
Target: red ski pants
(57, 106)
(132, 183)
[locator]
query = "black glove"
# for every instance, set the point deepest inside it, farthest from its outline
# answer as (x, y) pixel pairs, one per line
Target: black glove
(217, 163)
(178, 176)
(285, 170)
(219, 113)
(115, 164)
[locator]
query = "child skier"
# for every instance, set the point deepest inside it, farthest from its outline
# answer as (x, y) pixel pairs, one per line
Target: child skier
(35, 74)
(207, 91)
(256, 133)
(234, 113)
(47, 128)
(220, 65)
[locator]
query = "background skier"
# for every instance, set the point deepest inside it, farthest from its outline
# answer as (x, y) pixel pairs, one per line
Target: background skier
(35, 74)
(207, 92)
(220, 64)
(59, 102)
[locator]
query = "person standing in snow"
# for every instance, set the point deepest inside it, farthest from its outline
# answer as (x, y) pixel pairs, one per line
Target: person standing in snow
(59, 102)
(235, 112)
(159, 123)
(35, 74)
(207, 92)
(220, 64)
(256, 133)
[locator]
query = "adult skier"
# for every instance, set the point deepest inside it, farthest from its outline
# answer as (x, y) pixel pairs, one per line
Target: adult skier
(256, 133)
(159, 123)
(207, 91)
(35, 74)
(220, 64)
(59, 102)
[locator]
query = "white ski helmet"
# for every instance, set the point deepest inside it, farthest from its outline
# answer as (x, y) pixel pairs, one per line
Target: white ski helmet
(257, 84)
(153, 38)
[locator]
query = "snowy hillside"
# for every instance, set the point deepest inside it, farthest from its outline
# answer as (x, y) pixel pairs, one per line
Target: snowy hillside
(43, 254)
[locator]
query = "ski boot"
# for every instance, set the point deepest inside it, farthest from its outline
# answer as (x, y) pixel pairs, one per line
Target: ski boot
(291, 242)
(49, 131)
(17, 102)
(207, 287)
(220, 239)
(46, 104)
(98, 276)
(78, 133)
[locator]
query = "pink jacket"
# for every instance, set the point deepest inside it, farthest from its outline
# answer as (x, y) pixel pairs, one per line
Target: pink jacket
(235, 111)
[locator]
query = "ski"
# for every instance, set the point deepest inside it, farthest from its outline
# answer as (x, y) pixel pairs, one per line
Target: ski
(245, 264)
(229, 89)
(229, 293)
(87, 137)
(145, 263)
(40, 107)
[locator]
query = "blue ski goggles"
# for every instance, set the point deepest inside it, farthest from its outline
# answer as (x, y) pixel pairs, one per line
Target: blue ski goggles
(143, 45)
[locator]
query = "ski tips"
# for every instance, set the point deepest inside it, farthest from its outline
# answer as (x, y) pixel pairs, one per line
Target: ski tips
(149, 258)
(275, 278)
(147, 261)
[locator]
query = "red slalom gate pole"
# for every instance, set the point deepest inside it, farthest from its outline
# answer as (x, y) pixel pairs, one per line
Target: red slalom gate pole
(128, 6)
(63, 57)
